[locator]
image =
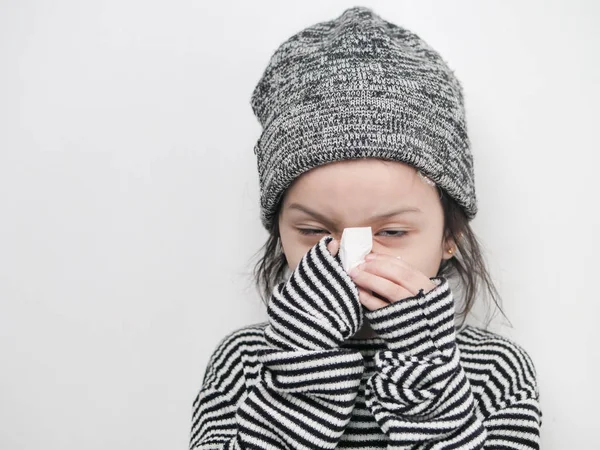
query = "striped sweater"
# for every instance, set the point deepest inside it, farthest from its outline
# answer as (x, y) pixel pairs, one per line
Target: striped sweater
(303, 381)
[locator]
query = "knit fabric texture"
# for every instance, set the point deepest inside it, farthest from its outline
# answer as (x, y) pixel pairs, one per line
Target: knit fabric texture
(302, 381)
(359, 87)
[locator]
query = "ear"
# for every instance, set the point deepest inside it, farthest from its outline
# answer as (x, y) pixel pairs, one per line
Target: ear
(448, 248)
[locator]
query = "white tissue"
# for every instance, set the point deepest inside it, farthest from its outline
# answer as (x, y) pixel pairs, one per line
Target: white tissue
(356, 243)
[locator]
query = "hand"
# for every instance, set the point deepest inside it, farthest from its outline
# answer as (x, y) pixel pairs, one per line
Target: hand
(383, 279)
(318, 306)
(333, 247)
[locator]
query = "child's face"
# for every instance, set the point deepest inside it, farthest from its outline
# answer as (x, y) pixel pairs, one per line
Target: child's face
(361, 193)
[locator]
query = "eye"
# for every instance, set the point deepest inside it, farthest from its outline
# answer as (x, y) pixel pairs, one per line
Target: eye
(394, 233)
(311, 231)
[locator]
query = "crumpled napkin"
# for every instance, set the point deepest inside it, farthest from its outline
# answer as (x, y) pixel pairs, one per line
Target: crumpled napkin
(356, 243)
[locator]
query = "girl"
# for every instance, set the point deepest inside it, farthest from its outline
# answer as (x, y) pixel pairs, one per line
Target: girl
(364, 126)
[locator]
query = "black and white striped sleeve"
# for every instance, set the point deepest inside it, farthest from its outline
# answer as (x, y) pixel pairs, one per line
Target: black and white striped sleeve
(420, 395)
(307, 385)
(223, 388)
(505, 378)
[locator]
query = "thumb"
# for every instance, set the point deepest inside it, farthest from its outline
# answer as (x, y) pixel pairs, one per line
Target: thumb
(333, 247)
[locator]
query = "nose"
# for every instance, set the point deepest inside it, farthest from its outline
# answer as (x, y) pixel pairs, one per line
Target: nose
(377, 247)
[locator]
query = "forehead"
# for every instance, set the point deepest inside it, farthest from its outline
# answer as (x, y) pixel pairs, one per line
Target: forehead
(361, 186)
(356, 176)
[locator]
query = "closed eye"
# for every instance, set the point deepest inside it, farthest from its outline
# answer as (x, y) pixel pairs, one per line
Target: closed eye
(310, 231)
(314, 231)
(394, 233)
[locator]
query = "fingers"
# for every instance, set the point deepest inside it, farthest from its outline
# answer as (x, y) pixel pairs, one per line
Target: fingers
(398, 271)
(333, 247)
(390, 277)
(369, 300)
(382, 286)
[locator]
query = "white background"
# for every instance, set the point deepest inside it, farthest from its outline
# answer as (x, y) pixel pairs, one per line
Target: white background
(129, 199)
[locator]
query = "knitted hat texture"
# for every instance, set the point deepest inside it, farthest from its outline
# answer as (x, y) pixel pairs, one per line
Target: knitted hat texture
(360, 87)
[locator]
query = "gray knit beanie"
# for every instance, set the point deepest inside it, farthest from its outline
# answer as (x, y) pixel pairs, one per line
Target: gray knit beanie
(360, 87)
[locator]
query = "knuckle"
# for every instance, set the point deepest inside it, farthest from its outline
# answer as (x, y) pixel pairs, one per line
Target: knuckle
(399, 293)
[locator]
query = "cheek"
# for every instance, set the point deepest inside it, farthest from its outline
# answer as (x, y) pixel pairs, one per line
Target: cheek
(428, 261)
(423, 254)
(294, 248)
(293, 258)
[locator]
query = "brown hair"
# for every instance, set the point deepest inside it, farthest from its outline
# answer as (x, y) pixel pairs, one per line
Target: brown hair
(468, 263)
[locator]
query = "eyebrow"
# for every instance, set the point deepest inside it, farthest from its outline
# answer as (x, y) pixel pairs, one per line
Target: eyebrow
(324, 219)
